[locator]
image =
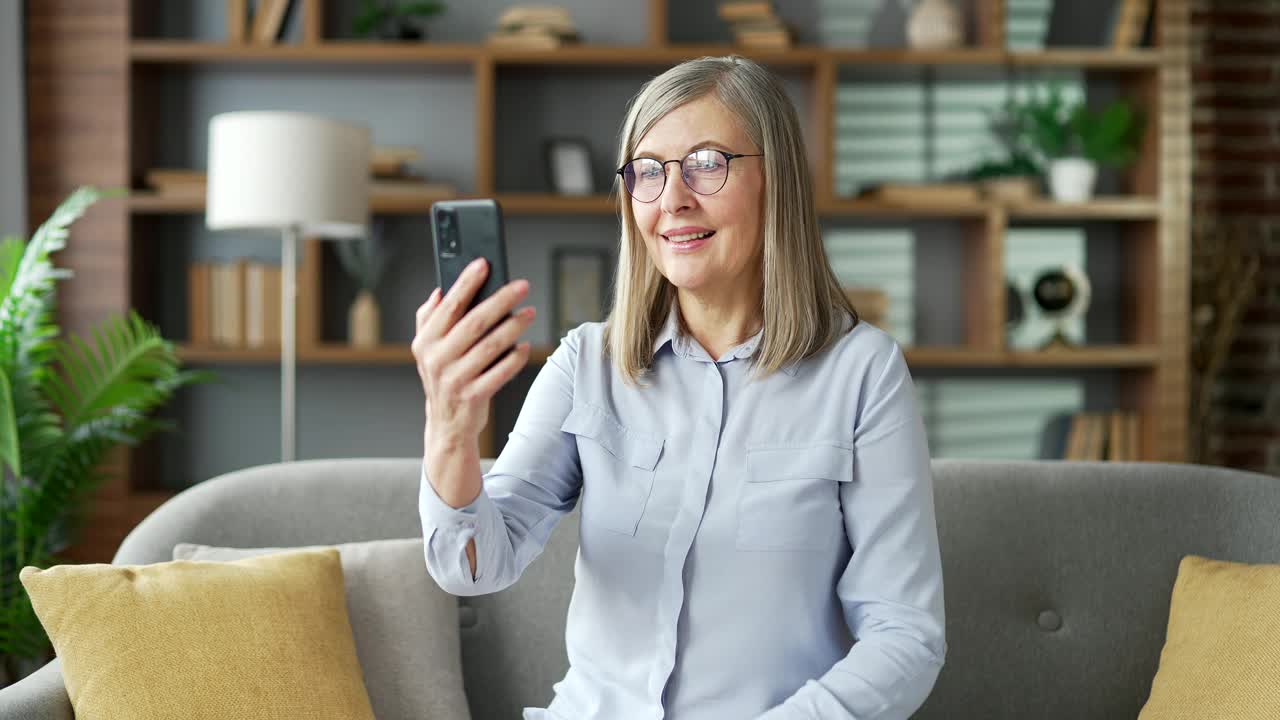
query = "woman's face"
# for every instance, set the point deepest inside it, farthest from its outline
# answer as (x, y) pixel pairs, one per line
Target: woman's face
(728, 258)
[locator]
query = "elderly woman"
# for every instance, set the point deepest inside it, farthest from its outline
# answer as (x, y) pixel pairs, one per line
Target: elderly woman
(757, 525)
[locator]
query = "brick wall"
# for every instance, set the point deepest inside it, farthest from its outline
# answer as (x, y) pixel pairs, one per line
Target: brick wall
(1236, 191)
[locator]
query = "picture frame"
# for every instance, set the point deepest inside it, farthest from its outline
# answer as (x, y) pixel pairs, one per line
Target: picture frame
(569, 165)
(580, 282)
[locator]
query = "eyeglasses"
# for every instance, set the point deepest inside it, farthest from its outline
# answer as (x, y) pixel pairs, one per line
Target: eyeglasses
(704, 171)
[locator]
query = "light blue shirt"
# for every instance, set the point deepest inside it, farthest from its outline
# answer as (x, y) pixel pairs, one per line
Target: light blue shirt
(736, 537)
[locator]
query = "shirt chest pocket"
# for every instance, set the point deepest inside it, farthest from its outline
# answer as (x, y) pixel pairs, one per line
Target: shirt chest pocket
(617, 468)
(791, 497)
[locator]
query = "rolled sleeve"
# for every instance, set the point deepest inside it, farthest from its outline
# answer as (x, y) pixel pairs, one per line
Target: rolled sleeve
(447, 530)
(533, 482)
(892, 590)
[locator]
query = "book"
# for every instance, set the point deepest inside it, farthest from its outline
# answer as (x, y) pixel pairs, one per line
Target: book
(389, 160)
(1075, 438)
(271, 306)
(535, 14)
(233, 275)
(268, 20)
(924, 193)
(1095, 448)
(1117, 445)
(215, 304)
(743, 10)
(175, 181)
(237, 20)
(529, 40)
(198, 296)
(1130, 23)
(871, 303)
(400, 188)
(255, 309)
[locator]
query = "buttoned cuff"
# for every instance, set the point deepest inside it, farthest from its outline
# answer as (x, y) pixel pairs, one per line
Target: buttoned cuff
(447, 530)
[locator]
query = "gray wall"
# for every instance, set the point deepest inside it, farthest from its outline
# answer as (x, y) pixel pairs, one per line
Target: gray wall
(13, 154)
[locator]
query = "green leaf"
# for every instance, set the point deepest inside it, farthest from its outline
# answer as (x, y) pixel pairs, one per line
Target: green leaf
(9, 457)
(420, 8)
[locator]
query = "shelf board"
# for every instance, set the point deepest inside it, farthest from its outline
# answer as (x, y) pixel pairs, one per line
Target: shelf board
(324, 354)
(1088, 356)
(855, 207)
(1107, 357)
(336, 51)
(179, 51)
(1101, 208)
(643, 55)
(143, 202)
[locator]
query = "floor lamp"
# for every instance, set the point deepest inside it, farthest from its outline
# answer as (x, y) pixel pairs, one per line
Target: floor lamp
(292, 173)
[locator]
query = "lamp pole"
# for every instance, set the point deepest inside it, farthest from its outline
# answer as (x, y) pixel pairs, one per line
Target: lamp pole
(288, 360)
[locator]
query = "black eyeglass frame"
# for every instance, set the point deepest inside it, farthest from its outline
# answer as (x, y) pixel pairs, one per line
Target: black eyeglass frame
(728, 160)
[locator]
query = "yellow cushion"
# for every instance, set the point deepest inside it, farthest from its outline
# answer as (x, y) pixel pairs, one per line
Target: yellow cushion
(263, 637)
(1221, 657)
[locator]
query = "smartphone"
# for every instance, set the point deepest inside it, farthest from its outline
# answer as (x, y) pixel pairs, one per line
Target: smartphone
(463, 230)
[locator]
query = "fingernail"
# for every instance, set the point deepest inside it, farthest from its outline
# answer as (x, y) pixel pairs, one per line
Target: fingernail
(475, 264)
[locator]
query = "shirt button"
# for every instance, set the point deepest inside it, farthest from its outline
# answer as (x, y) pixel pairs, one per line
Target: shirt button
(1049, 621)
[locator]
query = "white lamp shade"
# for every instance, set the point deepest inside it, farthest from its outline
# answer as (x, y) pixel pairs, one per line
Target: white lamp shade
(272, 170)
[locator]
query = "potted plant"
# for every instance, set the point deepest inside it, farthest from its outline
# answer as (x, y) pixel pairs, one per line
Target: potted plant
(63, 405)
(365, 260)
(394, 20)
(1075, 140)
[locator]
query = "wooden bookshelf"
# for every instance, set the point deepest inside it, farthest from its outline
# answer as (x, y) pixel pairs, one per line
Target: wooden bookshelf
(1103, 357)
(180, 52)
(1116, 208)
(88, 92)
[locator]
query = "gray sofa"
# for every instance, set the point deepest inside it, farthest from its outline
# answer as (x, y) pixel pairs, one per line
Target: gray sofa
(1058, 575)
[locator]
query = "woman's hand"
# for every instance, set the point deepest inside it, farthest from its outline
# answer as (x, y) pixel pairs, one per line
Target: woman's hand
(454, 352)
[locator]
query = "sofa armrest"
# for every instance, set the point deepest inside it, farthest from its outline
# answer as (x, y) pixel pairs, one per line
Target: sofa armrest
(38, 696)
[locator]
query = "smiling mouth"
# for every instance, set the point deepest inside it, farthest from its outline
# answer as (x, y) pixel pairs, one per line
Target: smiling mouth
(688, 237)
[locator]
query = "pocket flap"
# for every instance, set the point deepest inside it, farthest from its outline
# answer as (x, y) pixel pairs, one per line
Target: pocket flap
(826, 462)
(632, 447)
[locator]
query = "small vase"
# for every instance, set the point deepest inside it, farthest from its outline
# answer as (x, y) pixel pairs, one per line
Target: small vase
(1071, 179)
(364, 321)
(935, 25)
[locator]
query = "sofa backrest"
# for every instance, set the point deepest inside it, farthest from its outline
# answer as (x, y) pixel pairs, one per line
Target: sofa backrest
(1057, 575)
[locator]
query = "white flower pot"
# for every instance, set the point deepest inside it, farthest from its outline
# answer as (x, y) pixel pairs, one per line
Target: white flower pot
(1072, 179)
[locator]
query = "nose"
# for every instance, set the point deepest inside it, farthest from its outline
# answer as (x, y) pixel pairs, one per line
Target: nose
(676, 196)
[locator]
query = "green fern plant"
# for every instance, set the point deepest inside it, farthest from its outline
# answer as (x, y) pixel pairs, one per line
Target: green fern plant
(63, 405)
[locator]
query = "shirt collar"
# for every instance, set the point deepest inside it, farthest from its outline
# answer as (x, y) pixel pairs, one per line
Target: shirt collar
(670, 333)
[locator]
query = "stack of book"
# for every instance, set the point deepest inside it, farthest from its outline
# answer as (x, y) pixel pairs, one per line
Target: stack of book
(390, 170)
(755, 25)
(393, 175)
(234, 304)
(1104, 436)
(534, 27)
